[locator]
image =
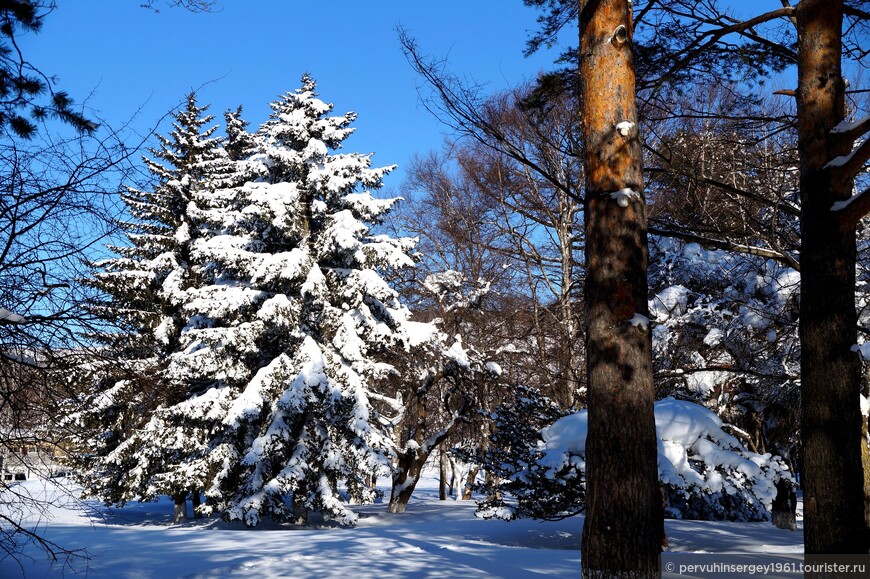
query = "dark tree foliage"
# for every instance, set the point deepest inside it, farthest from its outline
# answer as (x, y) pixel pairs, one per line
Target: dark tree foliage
(26, 94)
(675, 42)
(520, 488)
(192, 5)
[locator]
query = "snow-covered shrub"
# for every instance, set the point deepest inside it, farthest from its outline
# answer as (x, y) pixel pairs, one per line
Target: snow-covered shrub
(705, 472)
(709, 474)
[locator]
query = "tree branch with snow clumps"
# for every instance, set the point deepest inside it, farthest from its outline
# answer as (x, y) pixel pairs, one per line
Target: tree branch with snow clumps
(8, 317)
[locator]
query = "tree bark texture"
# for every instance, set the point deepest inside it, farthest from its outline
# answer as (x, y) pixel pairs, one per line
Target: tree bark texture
(783, 511)
(408, 468)
(179, 514)
(442, 475)
(830, 369)
(865, 462)
(622, 533)
(196, 502)
(469, 482)
(412, 451)
(865, 446)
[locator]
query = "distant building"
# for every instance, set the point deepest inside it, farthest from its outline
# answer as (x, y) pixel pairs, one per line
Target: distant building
(27, 457)
(28, 428)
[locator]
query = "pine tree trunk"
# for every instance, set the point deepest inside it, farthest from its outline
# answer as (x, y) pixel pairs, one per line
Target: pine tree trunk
(865, 463)
(830, 370)
(180, 508)
(622, 534)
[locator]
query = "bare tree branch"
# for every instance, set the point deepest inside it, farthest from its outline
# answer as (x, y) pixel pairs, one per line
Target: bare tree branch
(709, 38)
(723, 368)
(460, 108)
(785, 207)
(779, 256)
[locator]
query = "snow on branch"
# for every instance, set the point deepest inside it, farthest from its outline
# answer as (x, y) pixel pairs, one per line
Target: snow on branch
(851, 210)
(779, 256)
(454, 291)
(7, 317)
(852, 129)
(394, 403)
(725, 368)
(847, 166)
(639, 321)
(438, 437)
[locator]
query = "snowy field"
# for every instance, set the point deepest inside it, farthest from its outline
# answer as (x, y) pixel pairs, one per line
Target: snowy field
(432, 539)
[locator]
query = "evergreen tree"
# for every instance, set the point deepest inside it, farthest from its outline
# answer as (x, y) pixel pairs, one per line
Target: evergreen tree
(288, 332)
(23, 88)
(145, 288)
(239, 143)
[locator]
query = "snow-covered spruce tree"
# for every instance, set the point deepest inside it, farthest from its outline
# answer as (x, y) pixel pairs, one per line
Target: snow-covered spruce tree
(239, 143)
(288, 334)
(144, 288)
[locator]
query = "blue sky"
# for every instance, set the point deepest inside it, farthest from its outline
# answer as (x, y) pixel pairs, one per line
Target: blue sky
(124, 60)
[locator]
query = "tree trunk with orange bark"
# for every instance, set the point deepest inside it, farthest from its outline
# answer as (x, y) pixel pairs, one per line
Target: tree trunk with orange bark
(622, 534)
(830, 368)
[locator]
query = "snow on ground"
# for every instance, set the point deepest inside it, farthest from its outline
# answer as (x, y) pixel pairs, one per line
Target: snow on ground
(431, 539)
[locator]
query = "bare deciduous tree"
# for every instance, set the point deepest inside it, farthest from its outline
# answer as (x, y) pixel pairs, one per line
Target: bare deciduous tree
(56, 205)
